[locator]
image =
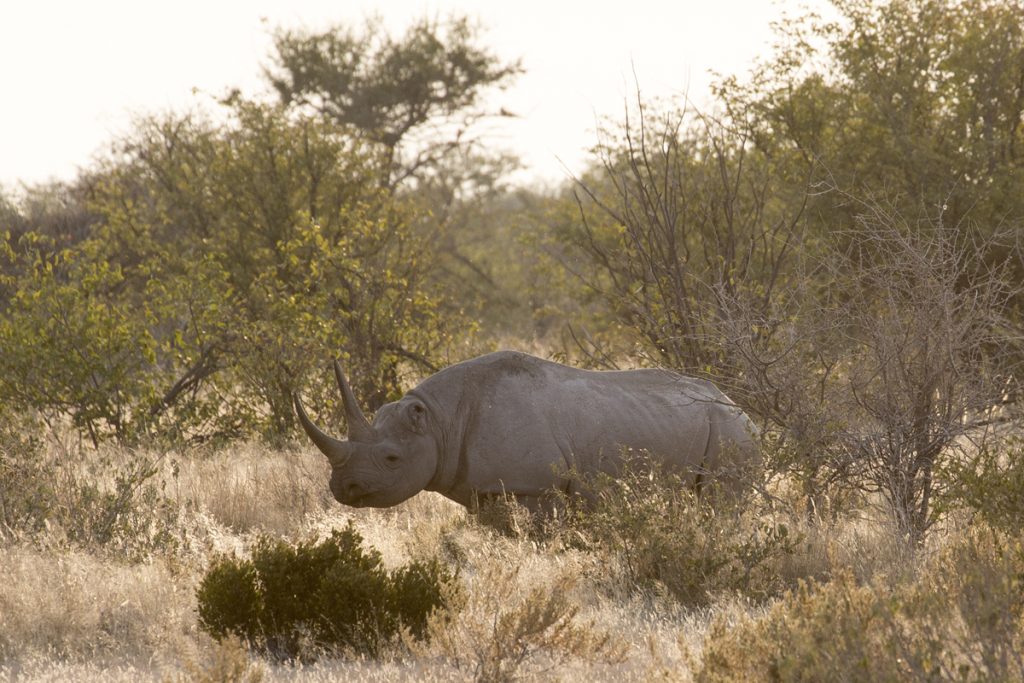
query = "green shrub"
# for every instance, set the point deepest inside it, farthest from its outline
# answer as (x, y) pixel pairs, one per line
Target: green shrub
(992, 485)
(294, 599)
(229, 600)
(72, 346)
(663, 534)
(415, 594)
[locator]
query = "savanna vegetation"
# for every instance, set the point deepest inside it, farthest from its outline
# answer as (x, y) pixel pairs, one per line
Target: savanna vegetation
(835, 241)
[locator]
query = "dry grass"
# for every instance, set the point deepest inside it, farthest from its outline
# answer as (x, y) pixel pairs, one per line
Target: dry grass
(71, 605)
(245, 490)
(533, 607)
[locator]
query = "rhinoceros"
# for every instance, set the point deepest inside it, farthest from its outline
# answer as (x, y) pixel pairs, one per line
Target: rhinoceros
(509, 423)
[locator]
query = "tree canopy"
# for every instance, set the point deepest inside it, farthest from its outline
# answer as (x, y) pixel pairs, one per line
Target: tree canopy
(388, 88)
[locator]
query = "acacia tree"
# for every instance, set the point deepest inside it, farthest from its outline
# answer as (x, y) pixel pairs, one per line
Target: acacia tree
(236, 257)
(415, 101)
(428, 84)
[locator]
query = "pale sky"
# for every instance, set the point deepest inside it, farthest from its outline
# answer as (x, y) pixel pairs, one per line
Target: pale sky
(73, 72)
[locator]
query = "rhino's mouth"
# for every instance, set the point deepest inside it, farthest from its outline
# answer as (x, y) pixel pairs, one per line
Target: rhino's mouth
(351, 499)
(358, 499)
(366, 499)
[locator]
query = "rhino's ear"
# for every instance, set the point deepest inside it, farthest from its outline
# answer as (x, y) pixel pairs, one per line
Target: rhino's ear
(416, 416)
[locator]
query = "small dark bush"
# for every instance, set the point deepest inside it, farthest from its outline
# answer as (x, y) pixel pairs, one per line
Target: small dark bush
(293, 600)
(415, 594)
(229, 601)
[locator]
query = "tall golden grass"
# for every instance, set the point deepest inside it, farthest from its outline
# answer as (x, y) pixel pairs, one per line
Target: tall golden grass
(532, 606)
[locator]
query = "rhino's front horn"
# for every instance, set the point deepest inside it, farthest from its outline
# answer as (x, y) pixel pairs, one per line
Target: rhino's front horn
(359, 428)
(335, 449)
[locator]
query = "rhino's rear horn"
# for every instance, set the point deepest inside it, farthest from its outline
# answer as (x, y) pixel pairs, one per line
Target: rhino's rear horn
(359, 428)
(335, 449)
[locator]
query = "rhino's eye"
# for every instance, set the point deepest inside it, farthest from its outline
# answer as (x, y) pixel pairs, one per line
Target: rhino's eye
(391, 460)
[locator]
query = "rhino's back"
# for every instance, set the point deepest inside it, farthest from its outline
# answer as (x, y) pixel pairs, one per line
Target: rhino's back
(524, 417)
(597, 413)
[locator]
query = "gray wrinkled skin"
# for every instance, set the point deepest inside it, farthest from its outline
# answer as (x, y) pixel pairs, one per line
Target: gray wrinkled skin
(508, 423)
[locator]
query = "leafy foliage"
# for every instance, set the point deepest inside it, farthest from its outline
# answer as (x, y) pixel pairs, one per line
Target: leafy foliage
(991, 483)
(69, 347)
(280, 222)
(291, 600)
(838, 251)
(227, 263)
(915, 100)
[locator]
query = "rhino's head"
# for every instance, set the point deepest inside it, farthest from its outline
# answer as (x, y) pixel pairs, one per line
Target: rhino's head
(382, 463)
